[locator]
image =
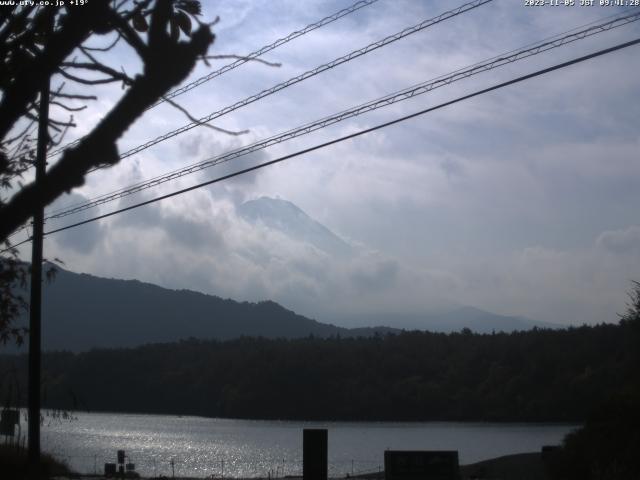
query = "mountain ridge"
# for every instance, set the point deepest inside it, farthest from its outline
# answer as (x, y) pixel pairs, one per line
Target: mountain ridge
(83, 311)
(450, 320)
(289, 219)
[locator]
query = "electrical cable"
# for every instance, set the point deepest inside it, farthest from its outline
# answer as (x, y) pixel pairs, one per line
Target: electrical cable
(346, 58)
(308, 74)
(402, 95)
(241, 61)
(332, 18)
(352, 135)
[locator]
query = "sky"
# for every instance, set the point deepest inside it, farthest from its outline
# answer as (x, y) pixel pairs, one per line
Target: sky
(521, 202)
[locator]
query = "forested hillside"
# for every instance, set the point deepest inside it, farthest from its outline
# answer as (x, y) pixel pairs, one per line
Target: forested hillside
(541, 375)
(81, 312)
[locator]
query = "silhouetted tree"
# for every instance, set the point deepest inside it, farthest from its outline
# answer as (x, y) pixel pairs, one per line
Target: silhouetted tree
(606, 448)
(39, 43)
(632, 315)
(543, 375)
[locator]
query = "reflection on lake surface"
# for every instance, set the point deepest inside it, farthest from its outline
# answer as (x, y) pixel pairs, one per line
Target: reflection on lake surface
(202, 447)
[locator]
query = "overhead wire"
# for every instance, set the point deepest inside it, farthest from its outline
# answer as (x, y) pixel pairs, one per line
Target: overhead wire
(548, 43)
(253, 55)
(405, 94)
(352, 135)
(244, 59)
(267, 48)
(308, 74)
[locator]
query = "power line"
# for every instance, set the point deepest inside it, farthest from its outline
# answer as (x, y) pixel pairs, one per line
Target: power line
(350, 56)
(402, 95)
(353, 135)
(531, 49)
(179, 91)
(308, 74)
(241, 61)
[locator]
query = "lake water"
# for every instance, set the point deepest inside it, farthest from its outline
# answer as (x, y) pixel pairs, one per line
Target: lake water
(202, 447)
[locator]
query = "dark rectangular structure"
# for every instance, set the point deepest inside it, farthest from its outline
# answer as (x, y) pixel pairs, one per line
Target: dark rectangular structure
(6, 428)
(10, 416)
(314, 453)
(8, 420)
(421, 465)
(109, 469)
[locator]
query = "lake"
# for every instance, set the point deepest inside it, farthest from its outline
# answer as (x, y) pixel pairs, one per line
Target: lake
(203, 447)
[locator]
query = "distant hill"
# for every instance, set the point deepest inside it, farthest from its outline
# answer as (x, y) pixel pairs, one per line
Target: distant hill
(452, 320)
(288, 219)
(82, 311)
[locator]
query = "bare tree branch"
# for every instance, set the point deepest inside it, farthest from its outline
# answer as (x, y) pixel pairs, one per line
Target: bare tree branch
(79, 22)
(62, 124)
(66, 107)
(86, 81)
(167, 63)
(129, 35)
(75, 96)
(55, 142)
(202, 124)
(104, 49)
(98, 67)
(19, 135)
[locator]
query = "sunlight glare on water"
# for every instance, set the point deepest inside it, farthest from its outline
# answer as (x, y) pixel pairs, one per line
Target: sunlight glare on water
(202, 447)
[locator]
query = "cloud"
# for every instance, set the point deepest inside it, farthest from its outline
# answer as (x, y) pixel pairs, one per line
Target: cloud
(204, 146)
(200, 242)
(565, 286)
(621, 242)
(375, 276)
(452, 167)
(84, 239)
(521, 201)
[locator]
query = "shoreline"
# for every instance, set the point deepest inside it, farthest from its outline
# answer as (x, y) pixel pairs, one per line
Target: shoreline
(519, 466)
(71, 413)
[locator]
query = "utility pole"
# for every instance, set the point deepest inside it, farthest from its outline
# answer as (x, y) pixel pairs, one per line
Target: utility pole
(35, 303)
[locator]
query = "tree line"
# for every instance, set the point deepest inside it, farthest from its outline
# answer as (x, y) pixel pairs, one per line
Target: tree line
(538, 375)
